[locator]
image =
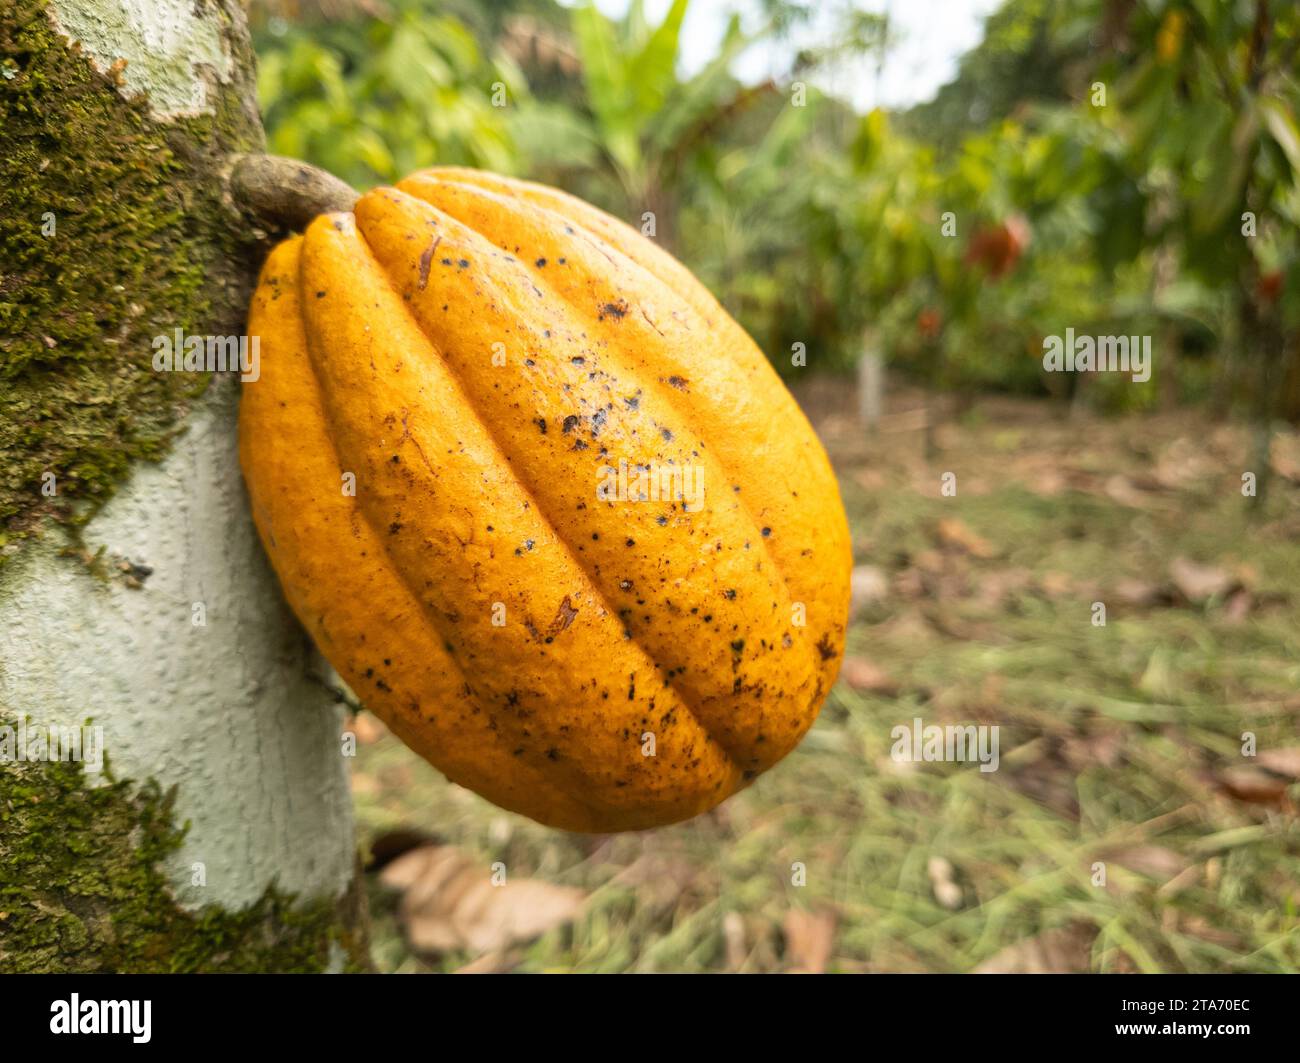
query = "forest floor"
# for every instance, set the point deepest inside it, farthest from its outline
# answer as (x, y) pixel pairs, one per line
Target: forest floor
(1124, 829)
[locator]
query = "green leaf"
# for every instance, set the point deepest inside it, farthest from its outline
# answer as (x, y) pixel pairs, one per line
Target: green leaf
(1281, 125)
(653, 71)
(608, 92)
(1234, 153)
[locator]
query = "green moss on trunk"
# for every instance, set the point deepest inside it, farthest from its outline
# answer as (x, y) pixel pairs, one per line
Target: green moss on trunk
(82, 890)
(142, 244)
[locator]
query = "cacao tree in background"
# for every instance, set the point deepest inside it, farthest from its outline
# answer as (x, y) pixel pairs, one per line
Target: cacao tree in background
(814, 223)
(1207, 100)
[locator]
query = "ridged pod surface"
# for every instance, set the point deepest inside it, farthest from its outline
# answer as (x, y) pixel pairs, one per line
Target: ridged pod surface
(475, 354)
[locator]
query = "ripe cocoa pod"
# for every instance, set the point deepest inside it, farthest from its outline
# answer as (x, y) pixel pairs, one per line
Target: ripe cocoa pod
(482, 359)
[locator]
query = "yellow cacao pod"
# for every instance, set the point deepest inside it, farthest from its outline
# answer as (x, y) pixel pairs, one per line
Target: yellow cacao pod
(541, 502)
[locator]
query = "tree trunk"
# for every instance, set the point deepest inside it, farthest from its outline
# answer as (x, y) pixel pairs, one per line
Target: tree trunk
(135, 603)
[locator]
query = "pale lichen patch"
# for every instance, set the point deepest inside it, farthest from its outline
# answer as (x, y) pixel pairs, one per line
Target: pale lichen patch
(166, 51)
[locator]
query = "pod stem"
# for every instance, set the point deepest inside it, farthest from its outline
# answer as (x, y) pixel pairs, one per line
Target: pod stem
(276, 192)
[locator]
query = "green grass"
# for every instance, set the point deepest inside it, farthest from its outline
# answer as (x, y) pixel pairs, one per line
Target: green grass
(1114, 740)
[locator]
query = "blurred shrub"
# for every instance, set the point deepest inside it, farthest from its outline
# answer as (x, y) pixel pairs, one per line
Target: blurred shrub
(372, 99)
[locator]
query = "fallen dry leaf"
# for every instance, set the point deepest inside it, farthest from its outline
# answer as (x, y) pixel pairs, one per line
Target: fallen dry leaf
(660, 879)
(1182, 463)
(1198, 582)
(734, 937)
(1056, 584)
(954, 533)
(1238, 606)
(942, 882)
(866, 677)
(870, 479)
(1152, 861)
(1103, 746)
(1066, 950)
(869, 585)
(1139, 592)
(809, 940)
(449, 902)
(993, 589)
(1283, 761)
(1285, 456)
(1122, 489)
(1197, 926)
(1253, 785)
(910, 583)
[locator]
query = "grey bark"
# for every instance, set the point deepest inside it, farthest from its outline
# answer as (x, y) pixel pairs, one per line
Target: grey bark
(225, 710)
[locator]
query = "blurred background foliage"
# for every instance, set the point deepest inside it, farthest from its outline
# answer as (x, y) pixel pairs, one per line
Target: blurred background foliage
(1116, 166)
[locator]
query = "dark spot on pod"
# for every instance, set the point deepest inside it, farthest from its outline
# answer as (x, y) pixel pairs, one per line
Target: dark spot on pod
(320, 295)
(541, 423)
(767, 532)
(463, 263)
(570, 423)
(678, 382)
(730, 595)
(738, 646)
(666, 434)
(578, 359)
(541, 263)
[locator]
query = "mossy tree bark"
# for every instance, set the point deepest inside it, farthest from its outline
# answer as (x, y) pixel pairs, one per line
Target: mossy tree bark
(134, 597)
